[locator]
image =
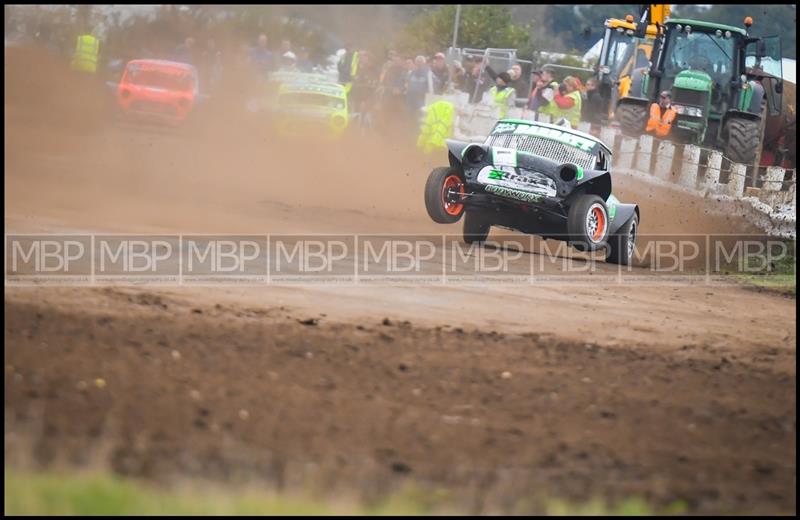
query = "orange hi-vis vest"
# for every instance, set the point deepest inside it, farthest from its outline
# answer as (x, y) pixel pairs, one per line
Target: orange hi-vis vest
(658, 123)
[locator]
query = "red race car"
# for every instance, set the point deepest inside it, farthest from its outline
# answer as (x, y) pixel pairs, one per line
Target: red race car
(158, 90)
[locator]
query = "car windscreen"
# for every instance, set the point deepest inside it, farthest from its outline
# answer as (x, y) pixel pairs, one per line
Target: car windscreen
(310, 99)
(159, 78)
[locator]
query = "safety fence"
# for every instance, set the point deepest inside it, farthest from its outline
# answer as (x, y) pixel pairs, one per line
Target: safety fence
(765, 195)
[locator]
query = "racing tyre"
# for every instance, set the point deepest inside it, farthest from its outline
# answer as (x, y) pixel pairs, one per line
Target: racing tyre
(476, 228)
(587, 223)
(744, 138)
(622, 244)
(442, 195)
(632, 118)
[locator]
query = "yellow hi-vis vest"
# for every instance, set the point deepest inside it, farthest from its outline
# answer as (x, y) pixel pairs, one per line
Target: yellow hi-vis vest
(353, 72)
(573, 113)
(436, 127)
(550, 107)
(86, 51)
(501, 98)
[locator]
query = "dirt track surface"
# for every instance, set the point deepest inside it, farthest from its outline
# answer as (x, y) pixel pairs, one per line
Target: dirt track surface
(670, 393)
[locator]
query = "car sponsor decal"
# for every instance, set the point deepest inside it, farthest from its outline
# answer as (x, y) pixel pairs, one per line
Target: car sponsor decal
(567, 138)
(504, 157)
(579, 176)
(611, 204)
(516, 179)
(524, 196)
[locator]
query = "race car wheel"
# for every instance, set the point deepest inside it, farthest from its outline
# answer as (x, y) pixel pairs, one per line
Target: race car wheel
(443, 193)
(476, 228)
(622, 244)
(587, 223)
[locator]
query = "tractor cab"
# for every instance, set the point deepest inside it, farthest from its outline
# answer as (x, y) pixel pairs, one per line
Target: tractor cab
(719, 101)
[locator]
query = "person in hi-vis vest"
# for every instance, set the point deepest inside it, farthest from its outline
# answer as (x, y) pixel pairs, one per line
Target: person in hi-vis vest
(662, 115)
(502, 94)
(87, 49)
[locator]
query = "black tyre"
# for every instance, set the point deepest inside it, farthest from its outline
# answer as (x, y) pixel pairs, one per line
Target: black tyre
(743, 139)
(587, 223)
(632, 118)
(442, 195)
(621, 245)
(476, 227)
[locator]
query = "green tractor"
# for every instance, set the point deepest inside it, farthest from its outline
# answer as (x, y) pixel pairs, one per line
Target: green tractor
(722, 97)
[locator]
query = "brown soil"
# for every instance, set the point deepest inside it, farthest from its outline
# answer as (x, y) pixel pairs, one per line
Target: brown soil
(671, 393)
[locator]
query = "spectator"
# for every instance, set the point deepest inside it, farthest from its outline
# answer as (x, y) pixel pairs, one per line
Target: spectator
(303, 62)
(288, 62)
(568, 101)
(517, 82)
(286, 46)
(440, 73)
(502, 94)
(662, 115)
(533, 100)
(457, 76)
(420, 82)
(185, 52)
(261, 56)
(393, 82)
(593, 105)
(476, 83)
(545, 93)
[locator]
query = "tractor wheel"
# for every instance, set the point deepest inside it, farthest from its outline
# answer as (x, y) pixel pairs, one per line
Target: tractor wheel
(632, 118)
(443, 195)
(743, 140)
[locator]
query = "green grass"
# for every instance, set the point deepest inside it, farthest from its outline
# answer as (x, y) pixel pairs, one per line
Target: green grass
(102, 494)
(98, 494)
(778, 276)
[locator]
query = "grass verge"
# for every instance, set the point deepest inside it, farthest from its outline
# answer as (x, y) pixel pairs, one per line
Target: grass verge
(52, 493)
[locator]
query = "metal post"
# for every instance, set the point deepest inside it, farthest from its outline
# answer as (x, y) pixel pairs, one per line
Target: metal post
(455, 28)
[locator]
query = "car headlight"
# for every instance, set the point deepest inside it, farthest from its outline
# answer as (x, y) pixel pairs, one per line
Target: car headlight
(679, 109)
(338, 122)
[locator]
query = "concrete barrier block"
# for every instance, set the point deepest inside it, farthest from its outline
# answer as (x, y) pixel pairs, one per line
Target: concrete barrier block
(585, 126)
(627, 151)
(710, 181)
(608, 135)
(514, 113)
(543, 118)
(664, 157)
(690, 164)
(773, 179)
(735, 187)
(645, 153)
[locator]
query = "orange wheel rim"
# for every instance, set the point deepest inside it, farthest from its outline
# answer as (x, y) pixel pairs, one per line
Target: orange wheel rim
(596, 223)
(452, 184)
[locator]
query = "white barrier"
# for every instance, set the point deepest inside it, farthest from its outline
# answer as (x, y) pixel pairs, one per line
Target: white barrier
(645, 153)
